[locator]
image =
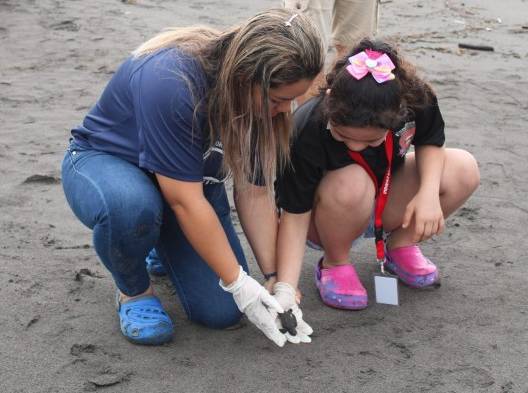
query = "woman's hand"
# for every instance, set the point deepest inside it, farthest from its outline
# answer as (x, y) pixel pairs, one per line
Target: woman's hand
(425, 212)
(259, 306)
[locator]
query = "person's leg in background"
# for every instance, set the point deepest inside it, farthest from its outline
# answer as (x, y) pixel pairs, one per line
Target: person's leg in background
(341, 23)
(351, 21)
(320, 12)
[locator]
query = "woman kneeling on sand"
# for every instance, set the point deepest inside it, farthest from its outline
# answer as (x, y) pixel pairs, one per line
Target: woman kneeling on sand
(146, 168)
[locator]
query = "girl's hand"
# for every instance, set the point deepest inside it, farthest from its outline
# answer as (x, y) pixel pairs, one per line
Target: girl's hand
(269, 284)
(287, 297)
(427, 213)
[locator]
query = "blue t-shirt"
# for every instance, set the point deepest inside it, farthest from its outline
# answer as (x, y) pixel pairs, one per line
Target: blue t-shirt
(147, 115)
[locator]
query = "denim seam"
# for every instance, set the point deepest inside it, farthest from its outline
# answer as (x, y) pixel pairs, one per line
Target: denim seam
(89, 181)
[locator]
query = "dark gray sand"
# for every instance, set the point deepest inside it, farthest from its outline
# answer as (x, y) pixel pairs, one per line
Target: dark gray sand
(58, 328)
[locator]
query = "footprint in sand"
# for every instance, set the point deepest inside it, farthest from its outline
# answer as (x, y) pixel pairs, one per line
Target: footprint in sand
(99, 368)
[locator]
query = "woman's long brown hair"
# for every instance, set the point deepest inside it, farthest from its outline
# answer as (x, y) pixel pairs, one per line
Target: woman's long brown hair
(262, 53)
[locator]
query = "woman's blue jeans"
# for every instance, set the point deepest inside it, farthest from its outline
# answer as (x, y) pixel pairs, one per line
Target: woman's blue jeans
(123, 206)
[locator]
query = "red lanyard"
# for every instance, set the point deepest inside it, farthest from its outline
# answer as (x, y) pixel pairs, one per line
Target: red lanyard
(382, 193)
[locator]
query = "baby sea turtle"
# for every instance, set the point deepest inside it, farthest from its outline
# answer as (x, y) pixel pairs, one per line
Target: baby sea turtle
(289, 322)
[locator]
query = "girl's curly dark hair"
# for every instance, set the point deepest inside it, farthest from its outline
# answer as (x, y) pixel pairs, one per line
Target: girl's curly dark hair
(366, 103)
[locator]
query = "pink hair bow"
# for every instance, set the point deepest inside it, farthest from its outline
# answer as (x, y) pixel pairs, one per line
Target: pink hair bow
(378, 64)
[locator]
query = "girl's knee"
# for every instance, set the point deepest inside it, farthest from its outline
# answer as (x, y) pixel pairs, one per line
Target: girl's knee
(464, 168)
(347, 189)
(473, 172)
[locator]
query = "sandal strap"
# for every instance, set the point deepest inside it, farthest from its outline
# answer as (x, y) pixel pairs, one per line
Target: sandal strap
(144, 307)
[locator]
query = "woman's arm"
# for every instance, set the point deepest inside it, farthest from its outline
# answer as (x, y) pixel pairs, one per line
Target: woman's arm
(194, 214)
(259, 220)
(202, 228)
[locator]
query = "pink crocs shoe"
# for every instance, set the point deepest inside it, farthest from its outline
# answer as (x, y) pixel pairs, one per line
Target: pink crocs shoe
(411, 267)
(340, 287)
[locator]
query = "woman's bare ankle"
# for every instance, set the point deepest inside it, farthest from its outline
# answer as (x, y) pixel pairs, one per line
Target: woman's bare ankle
(124, 298)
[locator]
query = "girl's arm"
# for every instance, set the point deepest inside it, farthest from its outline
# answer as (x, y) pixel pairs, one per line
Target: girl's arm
(430, 164)
(425, 206)
(259, 220)
(293, 230)
(194, 214)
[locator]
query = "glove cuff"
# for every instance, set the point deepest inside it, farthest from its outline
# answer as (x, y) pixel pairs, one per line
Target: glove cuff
(284, 287)
(235, 285)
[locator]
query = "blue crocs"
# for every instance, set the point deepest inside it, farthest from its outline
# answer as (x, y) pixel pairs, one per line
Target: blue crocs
(144, 321)
(154, 265)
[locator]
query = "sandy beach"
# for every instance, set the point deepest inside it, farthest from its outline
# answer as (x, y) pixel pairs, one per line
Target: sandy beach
(59, 331)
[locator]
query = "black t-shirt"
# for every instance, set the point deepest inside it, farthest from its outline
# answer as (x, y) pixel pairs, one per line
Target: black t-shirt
(314, 152)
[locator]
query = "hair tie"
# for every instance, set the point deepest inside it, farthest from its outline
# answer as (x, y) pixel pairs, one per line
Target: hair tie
(378, 64)
(289, 21)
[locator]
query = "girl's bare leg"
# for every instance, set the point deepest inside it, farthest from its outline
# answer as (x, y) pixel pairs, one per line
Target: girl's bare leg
(342, 209)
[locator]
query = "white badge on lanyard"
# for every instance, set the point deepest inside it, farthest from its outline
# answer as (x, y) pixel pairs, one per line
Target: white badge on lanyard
(386, 287)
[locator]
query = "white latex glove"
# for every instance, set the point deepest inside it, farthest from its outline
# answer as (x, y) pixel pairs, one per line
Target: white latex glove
(259, 306)
(286, 296)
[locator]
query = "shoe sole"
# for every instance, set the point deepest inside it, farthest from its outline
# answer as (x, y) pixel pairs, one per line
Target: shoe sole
(358, 303)
(342, 302)
(412, 280)
(157, 340)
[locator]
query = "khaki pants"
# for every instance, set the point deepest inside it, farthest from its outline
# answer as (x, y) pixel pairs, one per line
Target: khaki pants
(341, 22)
